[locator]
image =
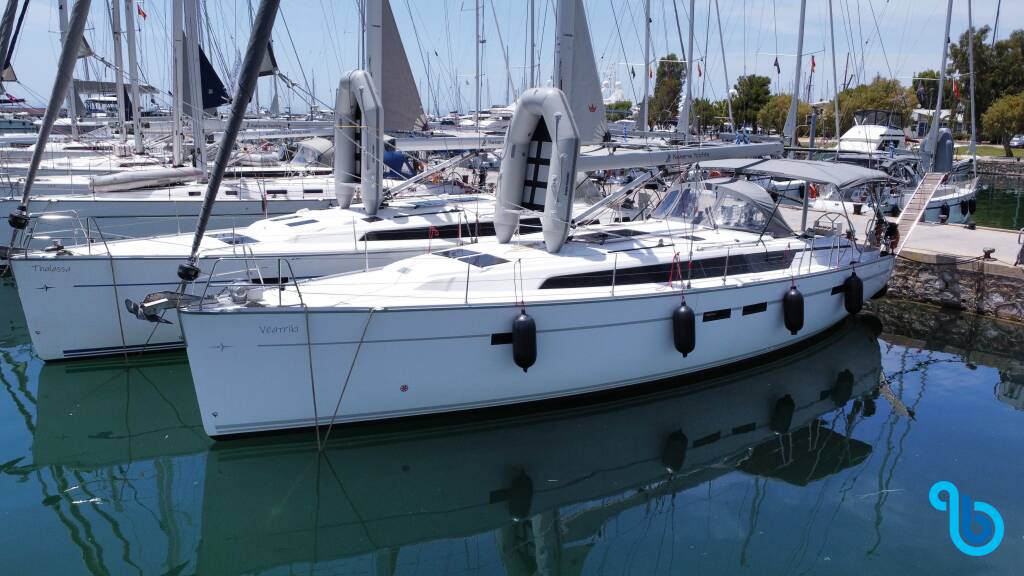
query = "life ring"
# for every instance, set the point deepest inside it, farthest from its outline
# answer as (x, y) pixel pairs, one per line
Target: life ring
(714, 174)
(814, 190)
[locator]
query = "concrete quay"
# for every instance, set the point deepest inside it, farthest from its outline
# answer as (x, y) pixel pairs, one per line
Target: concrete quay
(945, 264)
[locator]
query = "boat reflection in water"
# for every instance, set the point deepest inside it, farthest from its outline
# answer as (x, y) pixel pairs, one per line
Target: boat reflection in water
(96, 413)
(537, 487)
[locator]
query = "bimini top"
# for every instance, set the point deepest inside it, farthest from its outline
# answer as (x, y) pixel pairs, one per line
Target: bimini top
(744, 189)
(836, 174)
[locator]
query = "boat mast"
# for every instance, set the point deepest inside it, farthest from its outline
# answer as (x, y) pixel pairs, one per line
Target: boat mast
(133, 77)
(970, 60)
(62, 11)
(685, 114)
(254, 54)
(115, 13)
(933, 133)
(178, 65)
(533, 45)
(647, 66)
(835, 73)
(195, 85)
(476, 111)
(725, 67)
(65, 70)
(789, 132)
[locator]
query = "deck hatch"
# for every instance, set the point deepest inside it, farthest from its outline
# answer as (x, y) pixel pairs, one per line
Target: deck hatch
(233, 238)
(478, 259)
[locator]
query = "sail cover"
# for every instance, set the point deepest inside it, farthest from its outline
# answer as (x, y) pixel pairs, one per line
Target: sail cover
(400, 98)
(213, 90)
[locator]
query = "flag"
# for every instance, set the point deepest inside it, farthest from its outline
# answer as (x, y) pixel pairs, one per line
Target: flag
(922, 96)
(813, 64)
(140, 11)
(956, 90)
(778, 69)
(699, 71)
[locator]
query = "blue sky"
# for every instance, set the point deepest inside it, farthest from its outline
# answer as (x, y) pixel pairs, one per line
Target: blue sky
(317, 40)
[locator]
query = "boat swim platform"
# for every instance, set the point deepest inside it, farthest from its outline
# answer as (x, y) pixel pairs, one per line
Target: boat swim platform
(946, 264)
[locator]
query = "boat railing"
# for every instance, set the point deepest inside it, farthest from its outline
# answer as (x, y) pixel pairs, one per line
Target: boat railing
(256, 279)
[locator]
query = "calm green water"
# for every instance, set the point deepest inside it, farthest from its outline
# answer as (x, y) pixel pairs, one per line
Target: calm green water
(1001, 205)
(104, 469)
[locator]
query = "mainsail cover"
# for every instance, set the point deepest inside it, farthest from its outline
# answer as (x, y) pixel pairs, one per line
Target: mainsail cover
(584, 85)
(400, 98)
(213, 90)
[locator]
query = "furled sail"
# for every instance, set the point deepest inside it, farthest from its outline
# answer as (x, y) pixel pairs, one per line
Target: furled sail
(400, 98)
(269, 65)
(213, 90)
(128, 115)
(683, 122)
(577, 73)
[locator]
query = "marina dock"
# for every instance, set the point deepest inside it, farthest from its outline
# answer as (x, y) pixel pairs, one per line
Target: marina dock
(946, 264)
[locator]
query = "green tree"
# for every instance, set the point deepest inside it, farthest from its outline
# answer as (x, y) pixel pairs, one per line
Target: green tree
(772, 115)
(986, 84)
(752, 93)
(707, 113)
(1004, 118)
(880, 94)
(618, 110)
(664, 105)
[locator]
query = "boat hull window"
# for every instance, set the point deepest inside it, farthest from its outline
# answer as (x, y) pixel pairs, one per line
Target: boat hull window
(447, 231)
(735, 264)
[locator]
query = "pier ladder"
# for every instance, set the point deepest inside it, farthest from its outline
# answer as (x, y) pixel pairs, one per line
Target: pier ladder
(915, 208)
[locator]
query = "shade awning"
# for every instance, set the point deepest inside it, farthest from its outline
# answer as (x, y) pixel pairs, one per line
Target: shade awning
(834, 173)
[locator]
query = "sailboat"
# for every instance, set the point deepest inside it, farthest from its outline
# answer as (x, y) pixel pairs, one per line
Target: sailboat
(537, 488)
(136, 282)
(714, 264)
(148, 202)
(490, 480)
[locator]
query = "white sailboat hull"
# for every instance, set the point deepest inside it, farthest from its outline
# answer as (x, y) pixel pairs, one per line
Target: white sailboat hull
(93, 291)
(134, 218)
(256, 371)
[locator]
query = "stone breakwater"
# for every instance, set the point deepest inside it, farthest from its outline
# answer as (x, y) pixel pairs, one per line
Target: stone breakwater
(971, 284)
(1000, 167)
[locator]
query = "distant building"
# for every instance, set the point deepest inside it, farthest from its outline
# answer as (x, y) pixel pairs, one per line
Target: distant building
(921, 121)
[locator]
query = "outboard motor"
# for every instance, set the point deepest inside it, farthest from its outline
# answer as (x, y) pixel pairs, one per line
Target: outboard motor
(944, 152)
(538, 170)
(358, 142)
